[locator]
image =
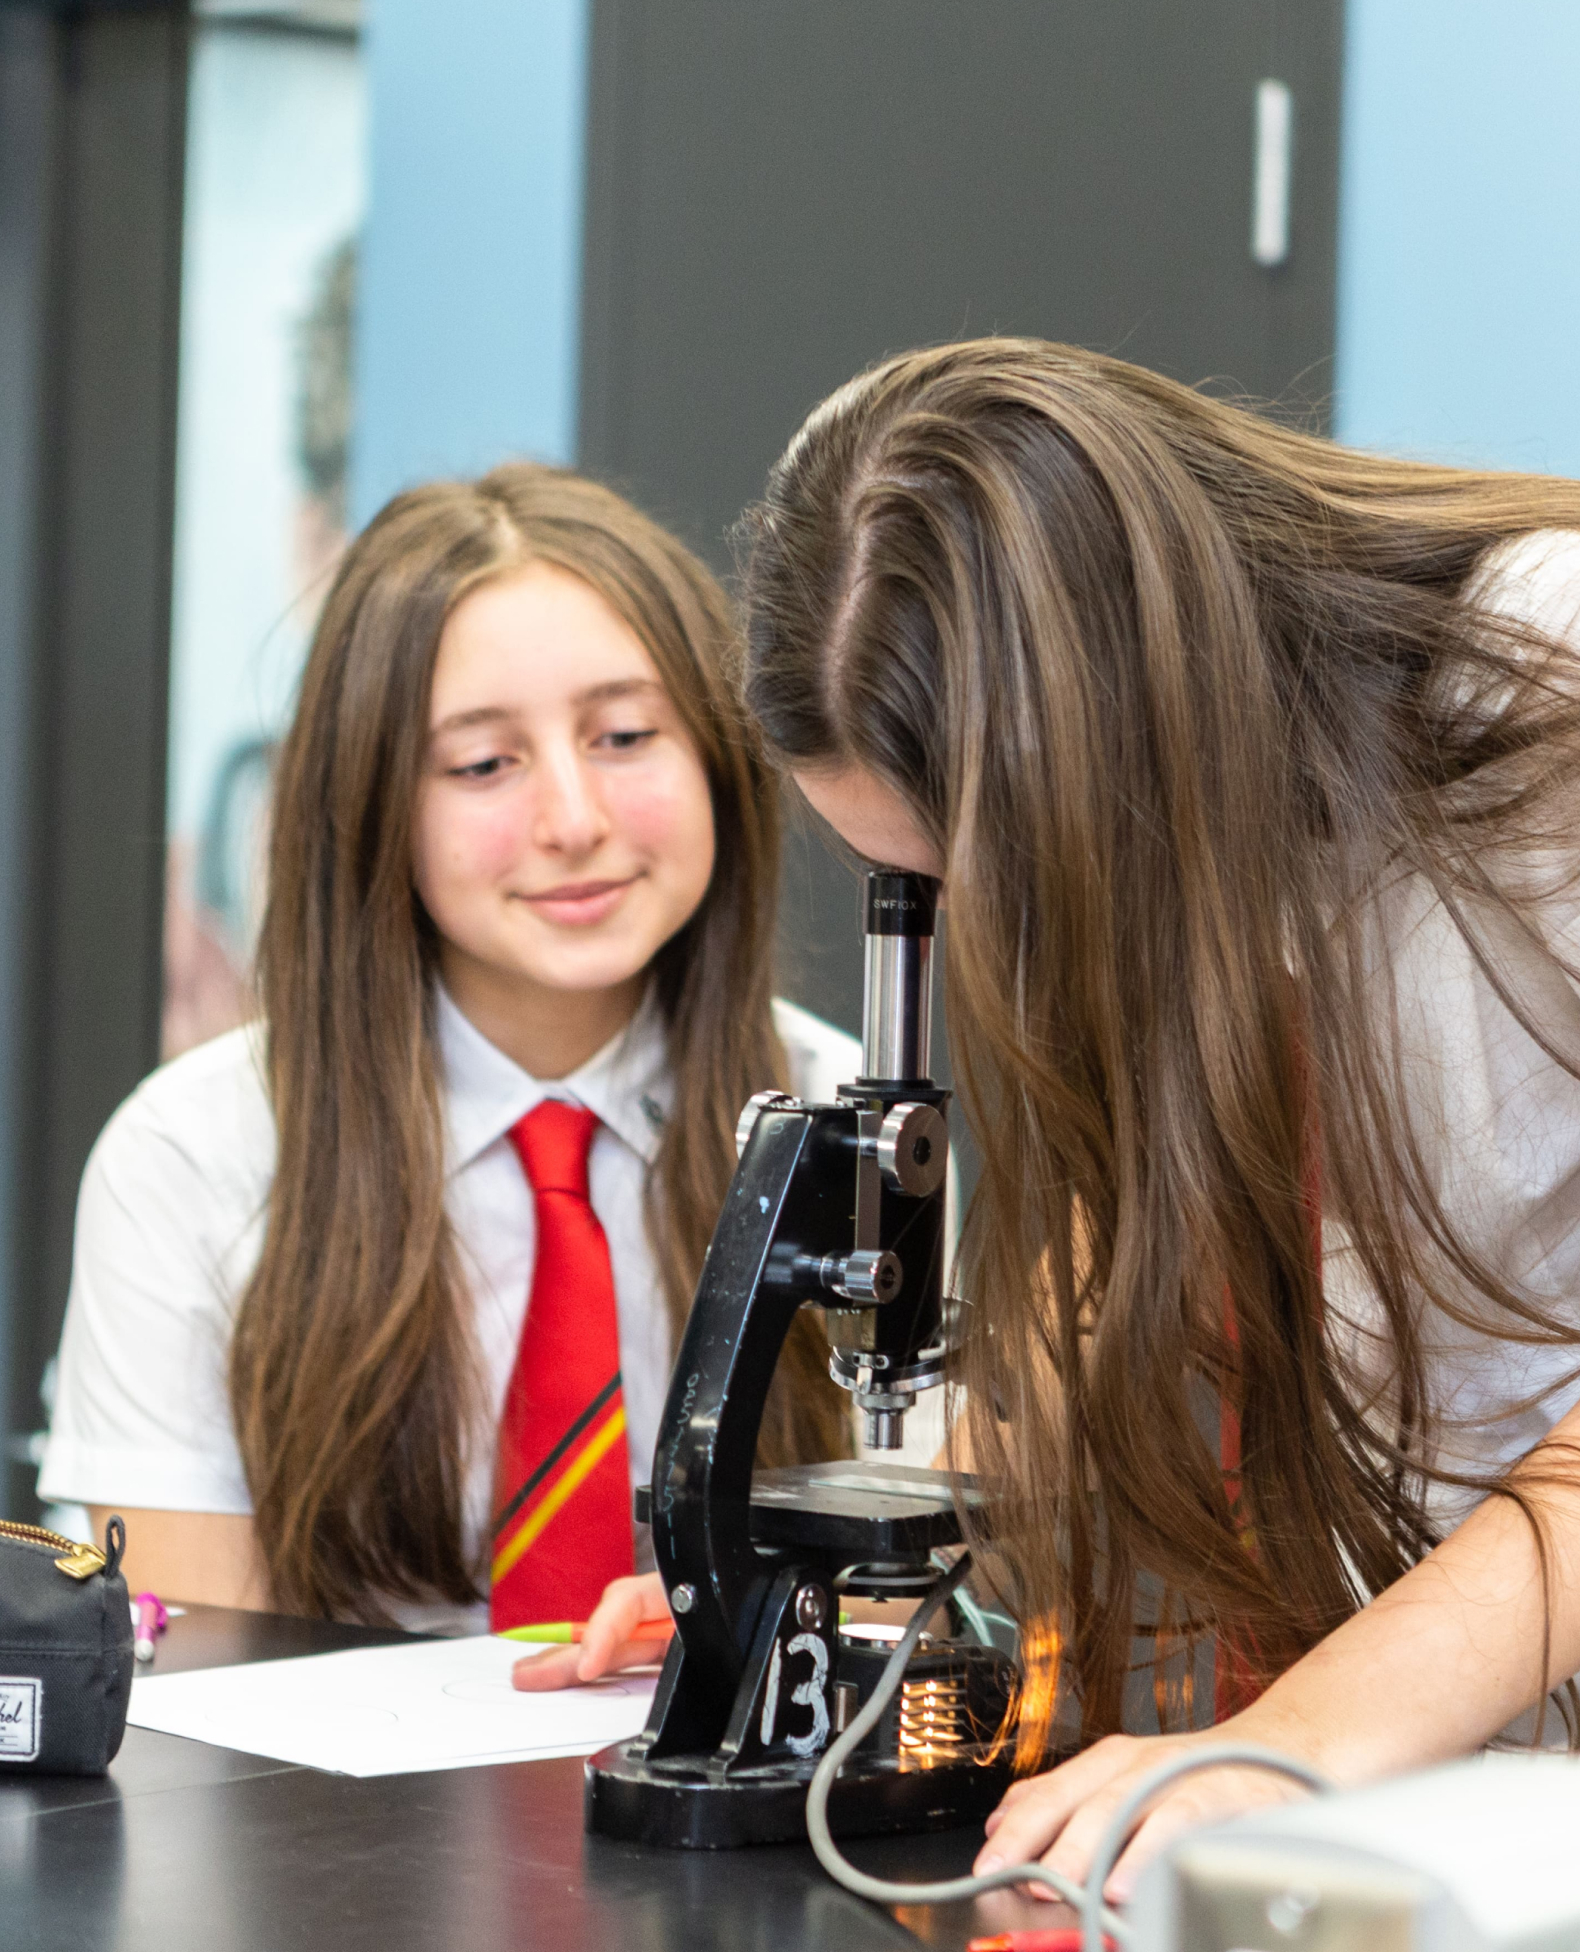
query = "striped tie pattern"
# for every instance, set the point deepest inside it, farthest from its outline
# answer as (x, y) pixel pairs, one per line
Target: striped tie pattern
(562, 1486)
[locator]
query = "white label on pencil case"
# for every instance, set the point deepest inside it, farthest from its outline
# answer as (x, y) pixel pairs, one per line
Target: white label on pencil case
(21, 1713)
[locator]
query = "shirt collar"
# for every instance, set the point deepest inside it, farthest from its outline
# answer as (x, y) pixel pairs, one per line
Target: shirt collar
(626, 1083)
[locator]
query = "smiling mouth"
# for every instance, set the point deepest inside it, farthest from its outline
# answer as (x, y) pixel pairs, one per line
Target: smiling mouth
(579, 904)
(576, 891)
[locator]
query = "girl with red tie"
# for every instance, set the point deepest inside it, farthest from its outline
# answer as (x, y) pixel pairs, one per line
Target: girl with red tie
(372, 1303)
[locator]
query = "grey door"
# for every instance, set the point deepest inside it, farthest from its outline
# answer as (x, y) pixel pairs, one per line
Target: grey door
(781, 191)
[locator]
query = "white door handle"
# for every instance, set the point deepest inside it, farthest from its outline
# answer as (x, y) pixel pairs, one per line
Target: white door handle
(1275, 128)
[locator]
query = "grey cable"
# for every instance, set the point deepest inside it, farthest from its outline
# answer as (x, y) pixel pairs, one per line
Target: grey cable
(881, 1890)
(1097, 1918)
(1116, 1831)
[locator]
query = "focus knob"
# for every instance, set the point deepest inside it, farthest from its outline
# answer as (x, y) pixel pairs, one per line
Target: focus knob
(913, 1149)
(760, 1102)
(869, 1277)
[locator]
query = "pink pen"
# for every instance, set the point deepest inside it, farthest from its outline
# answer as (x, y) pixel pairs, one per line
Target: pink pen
(152, 1619)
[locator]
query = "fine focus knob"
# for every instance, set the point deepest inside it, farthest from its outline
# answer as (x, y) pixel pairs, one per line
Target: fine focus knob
(913, 1149)
(759, 1102)
(868, 1277)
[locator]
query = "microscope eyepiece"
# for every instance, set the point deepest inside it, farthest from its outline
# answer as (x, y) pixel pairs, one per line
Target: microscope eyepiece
(899, 903)
(897, 1014)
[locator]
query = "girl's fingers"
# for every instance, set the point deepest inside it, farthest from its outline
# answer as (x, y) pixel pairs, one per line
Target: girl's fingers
(555, 1667)
(1036, 1810)
(1168, 1821)
(1208, 1798)
(1072, 1851)
(560, 1667)
(608, 1640)
(1199, 1799)
(632, 1653)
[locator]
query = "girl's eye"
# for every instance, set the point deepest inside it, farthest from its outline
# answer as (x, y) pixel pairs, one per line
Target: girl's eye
(479, 768)
(624, 741)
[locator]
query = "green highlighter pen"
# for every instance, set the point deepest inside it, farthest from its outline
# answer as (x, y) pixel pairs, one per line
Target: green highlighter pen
(567, 1633)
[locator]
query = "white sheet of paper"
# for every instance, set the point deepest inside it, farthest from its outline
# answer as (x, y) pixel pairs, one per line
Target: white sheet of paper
(385, 1711)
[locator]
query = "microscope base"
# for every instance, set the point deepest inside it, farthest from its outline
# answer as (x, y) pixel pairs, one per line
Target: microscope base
(627, 1797)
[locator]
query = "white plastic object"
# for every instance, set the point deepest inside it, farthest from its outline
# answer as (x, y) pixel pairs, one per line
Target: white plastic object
(1479, 1856)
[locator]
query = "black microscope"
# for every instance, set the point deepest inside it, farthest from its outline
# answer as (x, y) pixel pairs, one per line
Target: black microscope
(838, 1206)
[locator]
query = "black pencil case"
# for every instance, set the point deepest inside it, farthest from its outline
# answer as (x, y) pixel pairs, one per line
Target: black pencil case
(65, 1652)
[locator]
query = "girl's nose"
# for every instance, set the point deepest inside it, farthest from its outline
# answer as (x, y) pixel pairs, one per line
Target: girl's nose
(569, 816)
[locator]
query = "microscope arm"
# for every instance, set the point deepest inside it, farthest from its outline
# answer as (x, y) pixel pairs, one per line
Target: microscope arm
(790, 1191)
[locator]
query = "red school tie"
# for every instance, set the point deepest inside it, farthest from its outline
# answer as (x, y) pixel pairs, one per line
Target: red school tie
(562, 1482)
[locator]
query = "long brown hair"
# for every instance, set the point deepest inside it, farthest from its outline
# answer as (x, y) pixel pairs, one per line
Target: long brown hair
(352, 1378)
(1178, 694)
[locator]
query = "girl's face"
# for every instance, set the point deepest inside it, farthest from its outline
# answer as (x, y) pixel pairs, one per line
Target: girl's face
(564, 828)
(869, 816)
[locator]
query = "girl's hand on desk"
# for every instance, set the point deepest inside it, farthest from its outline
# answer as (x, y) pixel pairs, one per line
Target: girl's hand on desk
(607, 1644)
(1429, 1670)
(1058, 1818)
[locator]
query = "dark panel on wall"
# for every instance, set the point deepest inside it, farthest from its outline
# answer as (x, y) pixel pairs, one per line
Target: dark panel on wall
(782, 192)
(27, 139)
(89, 338)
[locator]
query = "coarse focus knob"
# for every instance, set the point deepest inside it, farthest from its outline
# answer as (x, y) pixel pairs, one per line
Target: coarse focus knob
(913, 1149)
(759, 1102)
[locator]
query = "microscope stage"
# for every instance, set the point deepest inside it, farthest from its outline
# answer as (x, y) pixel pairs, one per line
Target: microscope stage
(867, 1511)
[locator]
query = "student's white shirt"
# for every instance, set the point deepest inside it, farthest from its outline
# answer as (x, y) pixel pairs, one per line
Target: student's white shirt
(170, 1225)
(1496, 1118)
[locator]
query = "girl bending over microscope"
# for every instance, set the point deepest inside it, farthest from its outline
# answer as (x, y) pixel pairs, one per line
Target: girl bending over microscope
(372, 1304)
(1251, 767)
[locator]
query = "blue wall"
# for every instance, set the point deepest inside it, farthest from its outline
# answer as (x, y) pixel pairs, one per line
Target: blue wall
(1459, 264)
(468, 312)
